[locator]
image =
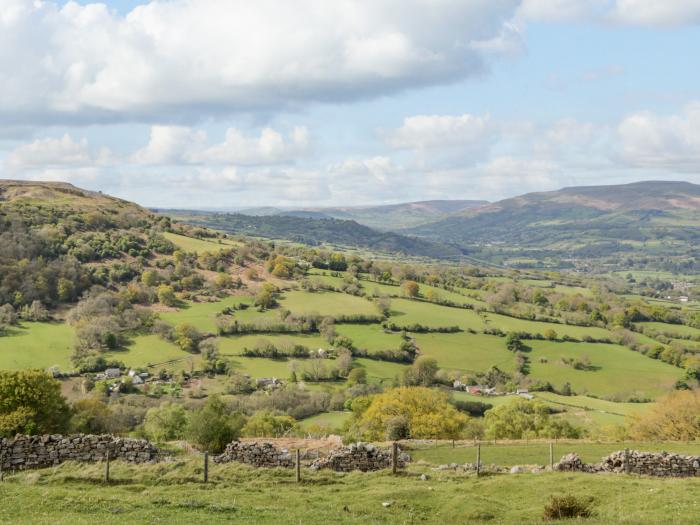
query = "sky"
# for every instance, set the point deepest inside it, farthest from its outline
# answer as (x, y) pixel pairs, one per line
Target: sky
(233, 103)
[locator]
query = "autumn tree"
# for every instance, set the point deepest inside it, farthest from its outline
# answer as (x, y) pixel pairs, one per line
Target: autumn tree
(675, 417)
(410, 288)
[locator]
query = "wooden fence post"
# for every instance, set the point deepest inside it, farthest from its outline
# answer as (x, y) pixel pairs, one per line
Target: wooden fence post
(478, 459)
(107, 467)
(551, 456)
(298, 466)
(206, 466)
(627, 461)
(453, 443)
(394, 457)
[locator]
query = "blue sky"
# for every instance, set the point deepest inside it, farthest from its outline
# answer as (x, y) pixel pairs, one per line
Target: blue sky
(227, 103)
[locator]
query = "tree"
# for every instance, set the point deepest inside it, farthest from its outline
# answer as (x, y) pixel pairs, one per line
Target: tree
(223, 281)
(526, 419)
(266, 424)
(187, 337)
(410, 288)
(675, 417)
(357, 376)
(427, 412)
(149, 277)
(214, 426)
(166, 422)
(166, 295)
(31, 403)
(422, 372)
(550, 334)
(91, 416)
(513, 342)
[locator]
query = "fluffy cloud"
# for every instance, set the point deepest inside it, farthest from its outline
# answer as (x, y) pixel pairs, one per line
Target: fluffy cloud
(670, 142)
(48, 153)
(85, 63)
(184, 145)
(441, 131)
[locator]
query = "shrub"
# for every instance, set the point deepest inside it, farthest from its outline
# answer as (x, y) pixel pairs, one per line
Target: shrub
(567, 506)
(166, 422)
(213, 427)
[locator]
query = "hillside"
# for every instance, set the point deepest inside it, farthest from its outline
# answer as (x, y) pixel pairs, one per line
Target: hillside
(656, 220)
(315, 231)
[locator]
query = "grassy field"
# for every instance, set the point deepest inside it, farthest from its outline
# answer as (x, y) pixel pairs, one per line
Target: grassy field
(381, 371)
(675, 329)
(234, 345)
(37, 345)
(537, 453)
(618, 370)
(371, 337)
(190, 244)
(467, 352)
(511, 324)
(203, 315)
(406, 312)
(326, 303)
(173, 493)
(330, 420)
(152, 351)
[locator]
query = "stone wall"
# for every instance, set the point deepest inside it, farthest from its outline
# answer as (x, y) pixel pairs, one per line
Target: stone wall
(645, 463)
(24, 452)
(358, 456)
(256, 454)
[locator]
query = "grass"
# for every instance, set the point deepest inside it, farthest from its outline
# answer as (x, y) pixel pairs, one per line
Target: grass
(152, 351)
(511, 324)
(330, 420)
(619, 371)
(382, 372)
(234, 345)
(203, 315)
(173, 493)
(406, 312)
(467, 352)
(258, 367)
(371, 337)
(326, 303)
(37, 345)
(538, 453)
(674, 329)
(190, 244)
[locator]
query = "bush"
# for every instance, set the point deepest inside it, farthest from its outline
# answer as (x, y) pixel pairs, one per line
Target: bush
(213, 427)
(166, 422)
(568, 506)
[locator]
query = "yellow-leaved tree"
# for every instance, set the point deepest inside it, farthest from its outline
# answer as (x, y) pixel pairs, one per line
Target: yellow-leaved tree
(675, 417)
(410, 412)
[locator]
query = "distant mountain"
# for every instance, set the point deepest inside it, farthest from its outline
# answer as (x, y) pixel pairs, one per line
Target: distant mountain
(317, 231)
(579, 222)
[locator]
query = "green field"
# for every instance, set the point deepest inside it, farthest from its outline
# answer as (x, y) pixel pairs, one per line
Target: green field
(511, 324)
(257, 367)
(467, 352)
(234, 345)
(153, 351)
(203, 315)
(326, 303)
(406, 312)
(382, 372)
(37, 345)
(190, 244)
(538, 453)
(173, 493)
(667, 328)
(371, 337)
(330, 420)
(622, 371)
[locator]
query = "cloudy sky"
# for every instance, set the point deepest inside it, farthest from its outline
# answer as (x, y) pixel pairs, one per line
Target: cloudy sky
(235, 103)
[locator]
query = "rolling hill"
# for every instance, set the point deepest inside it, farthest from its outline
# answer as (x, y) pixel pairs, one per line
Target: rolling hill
(315, 231)
(653, 219)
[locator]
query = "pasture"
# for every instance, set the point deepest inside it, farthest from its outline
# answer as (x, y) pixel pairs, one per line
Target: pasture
(37, 345)
(326, 303)
(173, 493)
(466, 352)
(190, 244)
(512, 324)
(234, 345)
(370, 337)
(203, 315)
(615, 370)
(405, 312)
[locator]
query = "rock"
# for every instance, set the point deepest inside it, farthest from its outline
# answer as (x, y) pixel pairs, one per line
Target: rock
(516, 470)
(359, 456)
(256, 454)
(423, 477)
(387, 504)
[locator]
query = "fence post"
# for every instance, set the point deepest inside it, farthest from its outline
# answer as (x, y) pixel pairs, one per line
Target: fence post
(206, 466)
(2, 473)
(551, 456)
(107, 467)
(627, 461)
(453, 443)
(394, 457)
(298, 466)
(478, 459)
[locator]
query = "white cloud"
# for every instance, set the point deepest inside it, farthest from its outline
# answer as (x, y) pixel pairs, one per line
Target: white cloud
(561, 10)
(164, 60)
(184, 145)
(441, 131)
(671, 142)
(56, 152)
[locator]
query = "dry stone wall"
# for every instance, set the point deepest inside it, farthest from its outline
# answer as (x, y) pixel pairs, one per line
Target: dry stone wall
(662, 464)
(256, 454)
(25, 452)
(358, 456)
